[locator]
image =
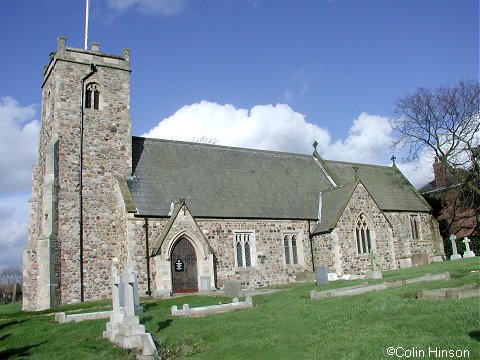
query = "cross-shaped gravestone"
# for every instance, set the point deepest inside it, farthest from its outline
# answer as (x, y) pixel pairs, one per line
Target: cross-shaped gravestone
(374, 273)
(468, 252)
(455, 255)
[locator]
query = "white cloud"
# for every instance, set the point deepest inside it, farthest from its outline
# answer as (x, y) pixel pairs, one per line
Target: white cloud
(13, 229)
(368, 141)
(262, 127)
(18, 145)
(419, 172)
(280, 128)
(164, 7)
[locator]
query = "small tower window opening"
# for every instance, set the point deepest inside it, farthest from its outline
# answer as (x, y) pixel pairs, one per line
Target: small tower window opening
(362, 234)
(92, 96)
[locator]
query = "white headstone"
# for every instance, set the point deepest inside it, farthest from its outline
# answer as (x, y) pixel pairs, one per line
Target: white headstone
(455, 255)
(468, 253)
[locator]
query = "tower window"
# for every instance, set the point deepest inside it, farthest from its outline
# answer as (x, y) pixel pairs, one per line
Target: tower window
(92, 96)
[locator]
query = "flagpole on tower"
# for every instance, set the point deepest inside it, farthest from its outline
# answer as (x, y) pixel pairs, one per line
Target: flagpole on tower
(86, 23)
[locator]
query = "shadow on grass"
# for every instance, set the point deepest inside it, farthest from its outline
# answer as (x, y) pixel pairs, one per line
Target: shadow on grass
(9, 323)
(475, 334)
(22, 351)
(3, 337)
(150, 305)
(164, 324)
(145, 319)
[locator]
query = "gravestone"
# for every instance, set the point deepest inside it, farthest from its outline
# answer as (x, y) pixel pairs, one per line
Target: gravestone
(232, 288)
(374, 273)
(419, 259)
(124, 328)
(116, 317)
(321, 275)
(468, 253)
(455, 255)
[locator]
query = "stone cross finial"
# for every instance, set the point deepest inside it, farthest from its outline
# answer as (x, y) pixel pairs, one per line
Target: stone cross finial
(315, 144)
(393, 158)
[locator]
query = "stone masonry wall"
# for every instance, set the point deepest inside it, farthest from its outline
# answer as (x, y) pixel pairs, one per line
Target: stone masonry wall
(270, 265)
(342, 242)
(429, 240)
(391, 238)
(269, 234)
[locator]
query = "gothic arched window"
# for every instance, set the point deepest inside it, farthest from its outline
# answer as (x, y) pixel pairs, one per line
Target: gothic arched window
(362, 233)
(290, 247)
(245, 249)
(92, 96)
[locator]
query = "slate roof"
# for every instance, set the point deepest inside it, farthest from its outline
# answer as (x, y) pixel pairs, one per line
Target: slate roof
(224, 182)
(333, 204)
(387, 185)
(228, 182)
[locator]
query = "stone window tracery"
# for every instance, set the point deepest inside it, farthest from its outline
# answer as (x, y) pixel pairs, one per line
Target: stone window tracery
(363, 236)
(244, 249)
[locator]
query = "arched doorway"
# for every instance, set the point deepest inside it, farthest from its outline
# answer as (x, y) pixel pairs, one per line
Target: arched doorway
(184, 267)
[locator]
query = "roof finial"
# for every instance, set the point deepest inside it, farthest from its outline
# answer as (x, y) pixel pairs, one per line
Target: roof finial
(355, 168)
(393, 159)
(315, 144)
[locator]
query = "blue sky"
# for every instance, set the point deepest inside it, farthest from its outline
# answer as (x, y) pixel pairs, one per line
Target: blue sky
(271, 74)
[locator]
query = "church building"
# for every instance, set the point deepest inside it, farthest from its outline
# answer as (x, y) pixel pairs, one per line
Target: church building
(191, 216)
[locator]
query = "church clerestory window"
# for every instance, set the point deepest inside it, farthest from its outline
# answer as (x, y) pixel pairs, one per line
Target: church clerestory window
(244, 249)
(290, 247)
(363, 236)
(92, 96)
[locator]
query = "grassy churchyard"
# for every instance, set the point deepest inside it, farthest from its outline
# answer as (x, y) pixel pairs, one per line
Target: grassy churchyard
(283, 325)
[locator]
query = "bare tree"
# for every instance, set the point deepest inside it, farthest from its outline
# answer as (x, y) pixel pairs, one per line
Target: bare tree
(445, 120)
(11, 276)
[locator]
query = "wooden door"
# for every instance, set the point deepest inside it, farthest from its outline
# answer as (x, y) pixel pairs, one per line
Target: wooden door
(184, 267)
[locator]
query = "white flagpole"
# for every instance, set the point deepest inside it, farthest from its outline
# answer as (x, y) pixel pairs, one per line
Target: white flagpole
(86, 24)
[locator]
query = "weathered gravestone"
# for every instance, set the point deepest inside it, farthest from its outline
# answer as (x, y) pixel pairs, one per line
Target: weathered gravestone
(455, 255)
(468, 253)
(321, 275)
(419, 259)
(232, 288)
(374, 273)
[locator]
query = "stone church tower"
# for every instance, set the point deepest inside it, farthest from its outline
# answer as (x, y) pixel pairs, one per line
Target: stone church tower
(76, 214)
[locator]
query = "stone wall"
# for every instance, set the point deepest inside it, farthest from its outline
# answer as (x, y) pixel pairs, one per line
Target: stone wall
(391, 235)
(218, 236)
(270, 262)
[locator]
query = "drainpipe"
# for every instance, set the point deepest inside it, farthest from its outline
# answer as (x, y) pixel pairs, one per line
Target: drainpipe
(93, 70)
(147, 257)
(311, 246)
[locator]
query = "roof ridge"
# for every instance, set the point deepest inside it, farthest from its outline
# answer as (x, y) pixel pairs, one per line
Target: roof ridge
(357, 163)
(223, 146)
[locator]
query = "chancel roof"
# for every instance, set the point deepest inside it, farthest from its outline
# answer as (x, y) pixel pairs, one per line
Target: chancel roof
(228, 182)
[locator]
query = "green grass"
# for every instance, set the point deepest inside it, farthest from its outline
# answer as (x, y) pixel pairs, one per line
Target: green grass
(283, 325)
